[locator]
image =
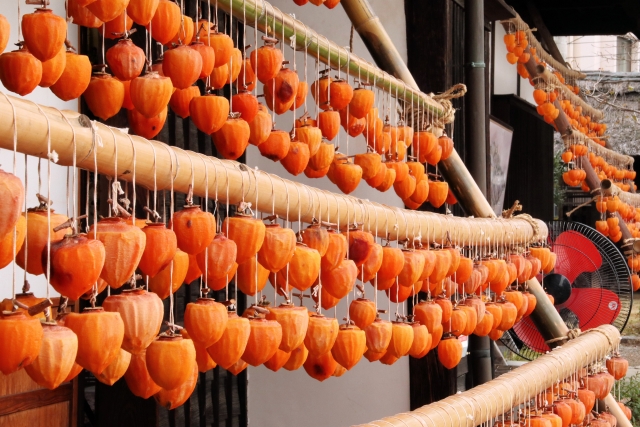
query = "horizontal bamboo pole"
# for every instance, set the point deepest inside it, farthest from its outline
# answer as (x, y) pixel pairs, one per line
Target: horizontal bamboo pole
(490, 400)
(275, 23)
(290, 199)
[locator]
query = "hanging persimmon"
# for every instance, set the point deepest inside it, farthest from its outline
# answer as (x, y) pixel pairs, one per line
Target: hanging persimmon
(347, 176)
(7, 242)
(250, 281)
(44, 33)
(125, 59)
(165, 22)
(238, 367)
(312, 173)
(316, 237)
(260, 126)
(217, 260)
(56, 357)
(363, 312)
(297, 358)
(312, 137)
(392, 263)
(82, 16)
(266, 60)
(185, 33)
(336, 250)
(219, 77)
(509, 314)
(12, 197)
(340, 94)
(349, 346)
(229, 348)
(401, 339)
(320, 91)
(360, 245)
(321, 334)
(209, 112)
(123, 245)
(277, 361)
(53, 68)
(107, 10)
(303, 269)
(340, 280)
(75, 264)
(276, 146)
(354, 127)
(146, 127)
(294, 322)
(450, 352)
(412, 268)
(160, 248)
(329, 123)
(278, 247)
(181, 100)
(141, 314)
(5, 32)
(194, 228)
(171, 360)
(75, 78)
(171, 399)
(378, 335)
(361, 102)
(437, 193)
(151, 93)
(36, 240)
(104, 95)
(235, 65)
(246, 104)
(369, 162)
(297, 159)
(20, 71)
(247, 77)
(421, 344)
(137, 377)
(100, 334)
(20, 337)
(320, 366)
(323, 157)
(371, 266)
(232, 139)
(301, 96)
(248, 234)
(280, 91)
(142, 11)
(446, 144)
(263, 342)
(182, 65)
(428, 314)
(206, 321)
(116, 369)
(117, 26)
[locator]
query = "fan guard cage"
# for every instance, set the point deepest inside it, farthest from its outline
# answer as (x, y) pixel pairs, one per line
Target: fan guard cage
(613, 275)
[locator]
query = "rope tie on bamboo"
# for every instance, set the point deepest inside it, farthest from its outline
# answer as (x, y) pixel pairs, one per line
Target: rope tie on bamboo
(572, 334)
(448, 115)
(533, 223)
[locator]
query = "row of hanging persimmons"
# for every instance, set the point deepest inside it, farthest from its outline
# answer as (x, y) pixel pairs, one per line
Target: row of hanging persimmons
(200, 52)
(571, 402)
(112, 340)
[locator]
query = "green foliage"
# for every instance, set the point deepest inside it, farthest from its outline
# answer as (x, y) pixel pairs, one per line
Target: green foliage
(630, 395)
(558, 184)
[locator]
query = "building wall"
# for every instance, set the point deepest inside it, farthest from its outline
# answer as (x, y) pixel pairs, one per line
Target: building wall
(591, 53)
(370, 390)
(41, 96)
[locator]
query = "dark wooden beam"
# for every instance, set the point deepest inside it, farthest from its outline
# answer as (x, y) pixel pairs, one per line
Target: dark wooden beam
(543, 31)
(35, 399)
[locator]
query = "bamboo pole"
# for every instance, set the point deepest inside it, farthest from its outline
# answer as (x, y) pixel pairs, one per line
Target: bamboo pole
(115, 150)
(275, 23)
(490, 400)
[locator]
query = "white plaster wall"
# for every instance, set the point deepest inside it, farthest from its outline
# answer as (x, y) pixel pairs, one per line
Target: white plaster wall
(370, 390)
(590, 53)
(58, 174)
(505, 75)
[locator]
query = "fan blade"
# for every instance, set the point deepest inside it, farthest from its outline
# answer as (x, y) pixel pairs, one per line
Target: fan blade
(594, 306)
(576, 254)
(528, 333)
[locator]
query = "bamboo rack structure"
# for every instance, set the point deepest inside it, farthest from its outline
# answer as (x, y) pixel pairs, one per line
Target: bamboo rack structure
(112, 149)
(272, 21)
(490, 400)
